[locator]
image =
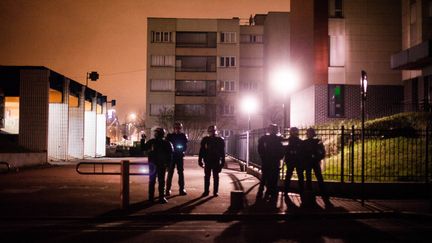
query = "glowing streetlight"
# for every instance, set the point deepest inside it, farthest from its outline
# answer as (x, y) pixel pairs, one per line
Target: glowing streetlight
(132, 116)
(284, 80)
(248, 105)
(363, 91)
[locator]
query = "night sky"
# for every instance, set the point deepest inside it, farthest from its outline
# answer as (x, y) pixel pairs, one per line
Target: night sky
(73, 37)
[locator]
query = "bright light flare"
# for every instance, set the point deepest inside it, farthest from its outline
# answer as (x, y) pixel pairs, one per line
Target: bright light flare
(132, 116)
(111, 113)
(249, 104)
(284, 80)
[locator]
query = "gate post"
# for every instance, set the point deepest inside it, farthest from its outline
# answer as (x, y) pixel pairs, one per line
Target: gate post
(124, 183)
(342, 153)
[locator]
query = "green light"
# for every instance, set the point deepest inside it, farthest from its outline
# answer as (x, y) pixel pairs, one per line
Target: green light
(337, 91)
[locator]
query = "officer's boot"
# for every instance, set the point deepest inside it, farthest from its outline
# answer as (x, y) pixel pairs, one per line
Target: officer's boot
(216, 186)
(151, 194)
(206, 187)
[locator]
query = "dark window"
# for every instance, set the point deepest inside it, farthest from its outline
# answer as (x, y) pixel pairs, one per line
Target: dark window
(196, 39)
(195, 87)
(195, 64)
(336, 9)
(205, 112)
(336, 100)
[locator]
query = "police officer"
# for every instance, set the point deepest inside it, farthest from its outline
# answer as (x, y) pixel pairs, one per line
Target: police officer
(313, 152)
(271, 151)
(212, 152)
(293, 160)
(159, 156)
(179, 141)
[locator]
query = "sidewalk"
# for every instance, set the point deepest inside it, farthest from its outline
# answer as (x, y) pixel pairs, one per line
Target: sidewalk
(59, 192)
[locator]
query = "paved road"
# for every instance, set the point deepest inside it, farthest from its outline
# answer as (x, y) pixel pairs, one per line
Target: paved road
(55, 204)
(138, 230)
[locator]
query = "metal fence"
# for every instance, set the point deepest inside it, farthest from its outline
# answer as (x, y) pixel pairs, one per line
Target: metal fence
(401, 155)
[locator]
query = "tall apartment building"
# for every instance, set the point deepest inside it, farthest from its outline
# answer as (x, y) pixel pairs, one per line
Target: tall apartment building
(203, 67)
(332, 41)
(199, 69)
(415, 58)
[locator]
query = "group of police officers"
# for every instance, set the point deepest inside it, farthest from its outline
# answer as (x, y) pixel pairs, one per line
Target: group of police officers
(301, 155)
(167, 153)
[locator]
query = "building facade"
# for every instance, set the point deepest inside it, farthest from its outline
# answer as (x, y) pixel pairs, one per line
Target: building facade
(206, 66)
(332, 41)
(44, 111)
(415, 57)
(200, 69)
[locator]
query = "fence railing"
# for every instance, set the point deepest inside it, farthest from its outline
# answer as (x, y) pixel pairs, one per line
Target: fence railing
(401, 155)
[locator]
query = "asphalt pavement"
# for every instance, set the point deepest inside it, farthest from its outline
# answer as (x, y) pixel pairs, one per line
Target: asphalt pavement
(55, 203)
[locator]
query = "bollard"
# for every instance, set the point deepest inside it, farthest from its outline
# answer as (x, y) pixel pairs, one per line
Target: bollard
(237, 200)
(124, 178)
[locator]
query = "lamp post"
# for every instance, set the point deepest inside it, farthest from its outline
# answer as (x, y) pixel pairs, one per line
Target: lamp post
(363, 86)
(249, 105)
(284, 80)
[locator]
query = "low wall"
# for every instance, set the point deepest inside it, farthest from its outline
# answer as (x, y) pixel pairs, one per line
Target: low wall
(17, 160)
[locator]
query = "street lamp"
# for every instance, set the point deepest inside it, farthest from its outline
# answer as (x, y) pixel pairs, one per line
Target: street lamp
(248, 105)
(132, 118)
(363, 91)
(284, 80)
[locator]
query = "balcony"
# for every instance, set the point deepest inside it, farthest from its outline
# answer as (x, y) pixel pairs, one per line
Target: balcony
(195, 64)
(203, 112)
(195, 88)
(196, 39)
(416, 57)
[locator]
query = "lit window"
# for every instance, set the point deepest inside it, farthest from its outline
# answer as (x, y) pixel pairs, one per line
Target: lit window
(99, 109)
(88, 106)
(11, 115)
(73, 101)
(55, 96)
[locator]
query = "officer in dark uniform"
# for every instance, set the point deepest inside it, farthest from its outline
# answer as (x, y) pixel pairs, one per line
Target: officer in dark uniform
(271, 151)
(293, 160)
(313, 152)
(179, 141)
(212, 152)
(159, 157)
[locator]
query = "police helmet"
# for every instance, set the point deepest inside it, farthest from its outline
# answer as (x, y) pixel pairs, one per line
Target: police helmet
(159, 132)
(212, 128)
(178, 125)
(273, 129)
(294, 131)
(310, 132)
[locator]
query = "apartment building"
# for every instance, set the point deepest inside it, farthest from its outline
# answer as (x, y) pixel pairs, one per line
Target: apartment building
(203, 67)
(332, 41)
(200, 69)
(415, 57)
